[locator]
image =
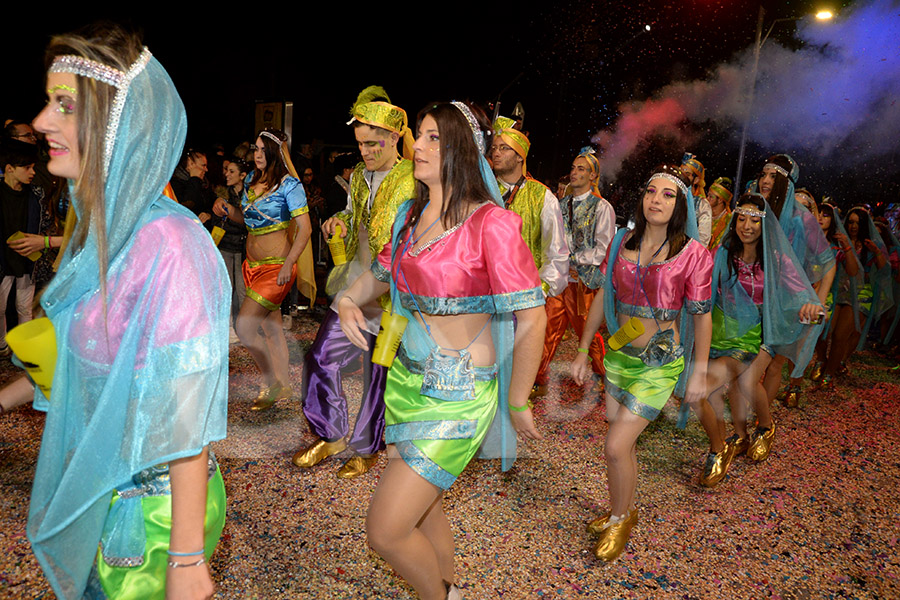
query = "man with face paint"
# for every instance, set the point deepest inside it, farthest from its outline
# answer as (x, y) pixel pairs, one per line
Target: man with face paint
(590, 223)
(378, 186)
(719, 197)
(694, 171)
(542, 222)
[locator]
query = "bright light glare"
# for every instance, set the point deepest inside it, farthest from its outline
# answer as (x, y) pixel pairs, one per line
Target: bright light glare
(824, 15)
(647, 27)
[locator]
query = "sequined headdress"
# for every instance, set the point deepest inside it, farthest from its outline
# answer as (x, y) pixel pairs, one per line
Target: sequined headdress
(515, 139)
(86, 67)
(383, 114)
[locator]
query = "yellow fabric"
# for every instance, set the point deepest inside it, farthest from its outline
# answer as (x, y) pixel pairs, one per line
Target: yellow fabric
(386, 116)
(528, 204)
(397, 187)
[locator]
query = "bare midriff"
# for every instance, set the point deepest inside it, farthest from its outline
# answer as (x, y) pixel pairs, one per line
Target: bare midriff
(274, 244)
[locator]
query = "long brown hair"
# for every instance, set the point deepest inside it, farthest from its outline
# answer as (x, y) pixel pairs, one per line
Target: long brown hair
(779, 189)
(675, 234)
(110, 45)
(734, 244)
(275, 169)
(460, 164)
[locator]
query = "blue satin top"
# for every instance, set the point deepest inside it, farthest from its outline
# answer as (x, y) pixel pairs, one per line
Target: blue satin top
(275, 209)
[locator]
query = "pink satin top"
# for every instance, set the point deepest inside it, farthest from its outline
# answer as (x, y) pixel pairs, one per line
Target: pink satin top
(686, 278)
(750, 277)
(480, 266)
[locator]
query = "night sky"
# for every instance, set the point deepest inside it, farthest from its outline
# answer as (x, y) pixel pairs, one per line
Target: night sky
(571, 64)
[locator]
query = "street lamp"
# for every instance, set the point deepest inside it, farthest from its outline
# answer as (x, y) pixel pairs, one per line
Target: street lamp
(822, 15)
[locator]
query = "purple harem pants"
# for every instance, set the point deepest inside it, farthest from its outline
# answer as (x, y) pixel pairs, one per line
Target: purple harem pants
(324, 403)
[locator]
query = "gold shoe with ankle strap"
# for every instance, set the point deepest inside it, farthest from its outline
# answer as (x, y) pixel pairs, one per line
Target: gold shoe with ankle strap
(598, 525)
(614, 538)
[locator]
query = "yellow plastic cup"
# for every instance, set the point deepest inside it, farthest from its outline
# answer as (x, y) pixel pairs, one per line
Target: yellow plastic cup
(336, 246)
(217, 233)
(631, 330)
(388, 341)
(18, 236)
(34, 343)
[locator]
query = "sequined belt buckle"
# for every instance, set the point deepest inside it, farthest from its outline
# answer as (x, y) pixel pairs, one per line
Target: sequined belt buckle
(447, 377)
(661, 349)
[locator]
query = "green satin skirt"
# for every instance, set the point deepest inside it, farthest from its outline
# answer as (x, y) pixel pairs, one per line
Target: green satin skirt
(436, 438)
(148, 581)
(743, 349)
(641, 389)
(866, 294)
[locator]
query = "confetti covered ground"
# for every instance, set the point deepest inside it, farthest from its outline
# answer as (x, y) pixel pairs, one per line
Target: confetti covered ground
(818, 519)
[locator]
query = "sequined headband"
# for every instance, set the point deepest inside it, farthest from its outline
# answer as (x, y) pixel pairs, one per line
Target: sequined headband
(750, 212)
(473, 124)
(85, 67)
(673, 179)
(777, 168)
(271, 136)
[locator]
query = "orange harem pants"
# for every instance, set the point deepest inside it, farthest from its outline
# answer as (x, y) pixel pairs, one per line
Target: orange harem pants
(570, 307)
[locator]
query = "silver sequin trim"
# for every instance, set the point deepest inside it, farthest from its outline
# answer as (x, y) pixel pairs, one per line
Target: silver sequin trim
(86, 67)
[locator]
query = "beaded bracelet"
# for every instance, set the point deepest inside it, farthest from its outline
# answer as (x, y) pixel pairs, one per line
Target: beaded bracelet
(178, 565)
(583, 350)
(528, 405)
(197, 553)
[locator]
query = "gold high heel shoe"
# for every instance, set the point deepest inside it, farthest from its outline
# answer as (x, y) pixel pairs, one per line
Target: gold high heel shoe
(739, 445)
(614, 538)
(716, 466)
(318, 452)
(817, 371)
(792, 397)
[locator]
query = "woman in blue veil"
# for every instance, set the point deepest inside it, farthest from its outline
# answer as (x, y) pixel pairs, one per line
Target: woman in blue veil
(763, 305)
(127, 500)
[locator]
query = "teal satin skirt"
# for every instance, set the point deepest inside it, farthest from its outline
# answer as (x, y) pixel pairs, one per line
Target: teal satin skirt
(436, 438)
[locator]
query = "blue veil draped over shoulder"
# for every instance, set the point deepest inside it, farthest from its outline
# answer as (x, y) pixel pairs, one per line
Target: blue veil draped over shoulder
(142, 373)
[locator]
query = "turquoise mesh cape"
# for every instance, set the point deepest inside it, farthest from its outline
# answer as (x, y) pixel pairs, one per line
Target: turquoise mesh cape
(879, 279)
(786, 288)
(145, 380)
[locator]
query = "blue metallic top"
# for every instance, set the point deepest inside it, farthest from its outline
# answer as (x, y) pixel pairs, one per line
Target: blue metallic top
(275, 209)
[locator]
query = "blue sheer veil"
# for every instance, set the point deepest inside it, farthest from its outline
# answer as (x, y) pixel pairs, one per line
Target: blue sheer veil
(128, 397)
(785, 290)
(855, 283)
(878, 278)
(893, 246)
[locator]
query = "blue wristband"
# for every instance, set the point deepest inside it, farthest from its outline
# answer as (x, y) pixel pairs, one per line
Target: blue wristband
(197, 553)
